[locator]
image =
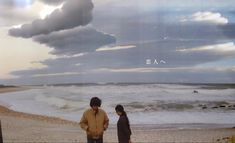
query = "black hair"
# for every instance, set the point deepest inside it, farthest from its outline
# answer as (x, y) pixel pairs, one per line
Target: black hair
(95, 101)
(120, 108)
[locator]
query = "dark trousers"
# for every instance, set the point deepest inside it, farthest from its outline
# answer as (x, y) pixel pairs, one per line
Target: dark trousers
(90, 140)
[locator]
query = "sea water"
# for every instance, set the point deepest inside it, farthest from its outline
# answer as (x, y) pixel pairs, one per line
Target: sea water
(162, 104)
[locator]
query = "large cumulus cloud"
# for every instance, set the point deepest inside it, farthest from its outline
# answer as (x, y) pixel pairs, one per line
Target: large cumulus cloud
(73, 13)
(74, 41)
(151, 35)
(65, 29)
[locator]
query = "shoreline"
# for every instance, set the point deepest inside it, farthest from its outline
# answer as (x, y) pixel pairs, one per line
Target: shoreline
(13, 89)
(4, 111)
(39, 128)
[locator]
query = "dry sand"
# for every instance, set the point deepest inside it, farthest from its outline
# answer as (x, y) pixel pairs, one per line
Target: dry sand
(22, 127)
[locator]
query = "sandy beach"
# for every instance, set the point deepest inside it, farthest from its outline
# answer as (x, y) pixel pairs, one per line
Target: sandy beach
(23, 127)
(12, 89)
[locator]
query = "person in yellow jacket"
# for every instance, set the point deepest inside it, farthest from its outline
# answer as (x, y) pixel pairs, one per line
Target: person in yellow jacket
(94, 121)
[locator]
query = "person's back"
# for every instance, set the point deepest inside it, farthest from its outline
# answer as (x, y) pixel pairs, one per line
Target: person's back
(94, 121)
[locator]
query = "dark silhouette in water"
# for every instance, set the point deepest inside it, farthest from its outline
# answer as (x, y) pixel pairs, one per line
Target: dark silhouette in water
(195, 91)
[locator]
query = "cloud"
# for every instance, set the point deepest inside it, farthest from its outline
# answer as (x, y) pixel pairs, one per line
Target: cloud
(207, 17)
(73, 13)
(169, 75)
(74, 41)
(53, 2)
(167, 51)
(71, 56)
(228, 30)
(56, 74)
(17, 3)
(130, 65)
(17, 15)
(133, 70)
(154, 26)
(218, 48)
(146, 35)
(130, 59)
(165, 70)
(116, 48)
(47, 10)
(163, 5)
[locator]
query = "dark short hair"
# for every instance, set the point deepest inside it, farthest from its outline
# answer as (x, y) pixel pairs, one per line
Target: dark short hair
(119, 108)
(95, 101)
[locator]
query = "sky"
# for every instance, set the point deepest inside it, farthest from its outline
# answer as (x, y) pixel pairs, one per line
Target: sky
(100, 41)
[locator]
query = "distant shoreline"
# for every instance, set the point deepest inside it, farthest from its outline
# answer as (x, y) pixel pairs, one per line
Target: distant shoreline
(5, 89)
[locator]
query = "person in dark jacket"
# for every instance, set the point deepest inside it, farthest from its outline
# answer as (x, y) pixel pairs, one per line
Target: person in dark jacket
(123, 125)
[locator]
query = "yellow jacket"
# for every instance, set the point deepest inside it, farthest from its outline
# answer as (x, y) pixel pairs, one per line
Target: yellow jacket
(94, 124)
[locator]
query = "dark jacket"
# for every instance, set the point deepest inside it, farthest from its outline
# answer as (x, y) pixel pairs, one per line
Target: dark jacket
(123, 130)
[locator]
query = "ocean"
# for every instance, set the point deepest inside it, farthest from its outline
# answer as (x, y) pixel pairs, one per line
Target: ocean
(148, 104)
